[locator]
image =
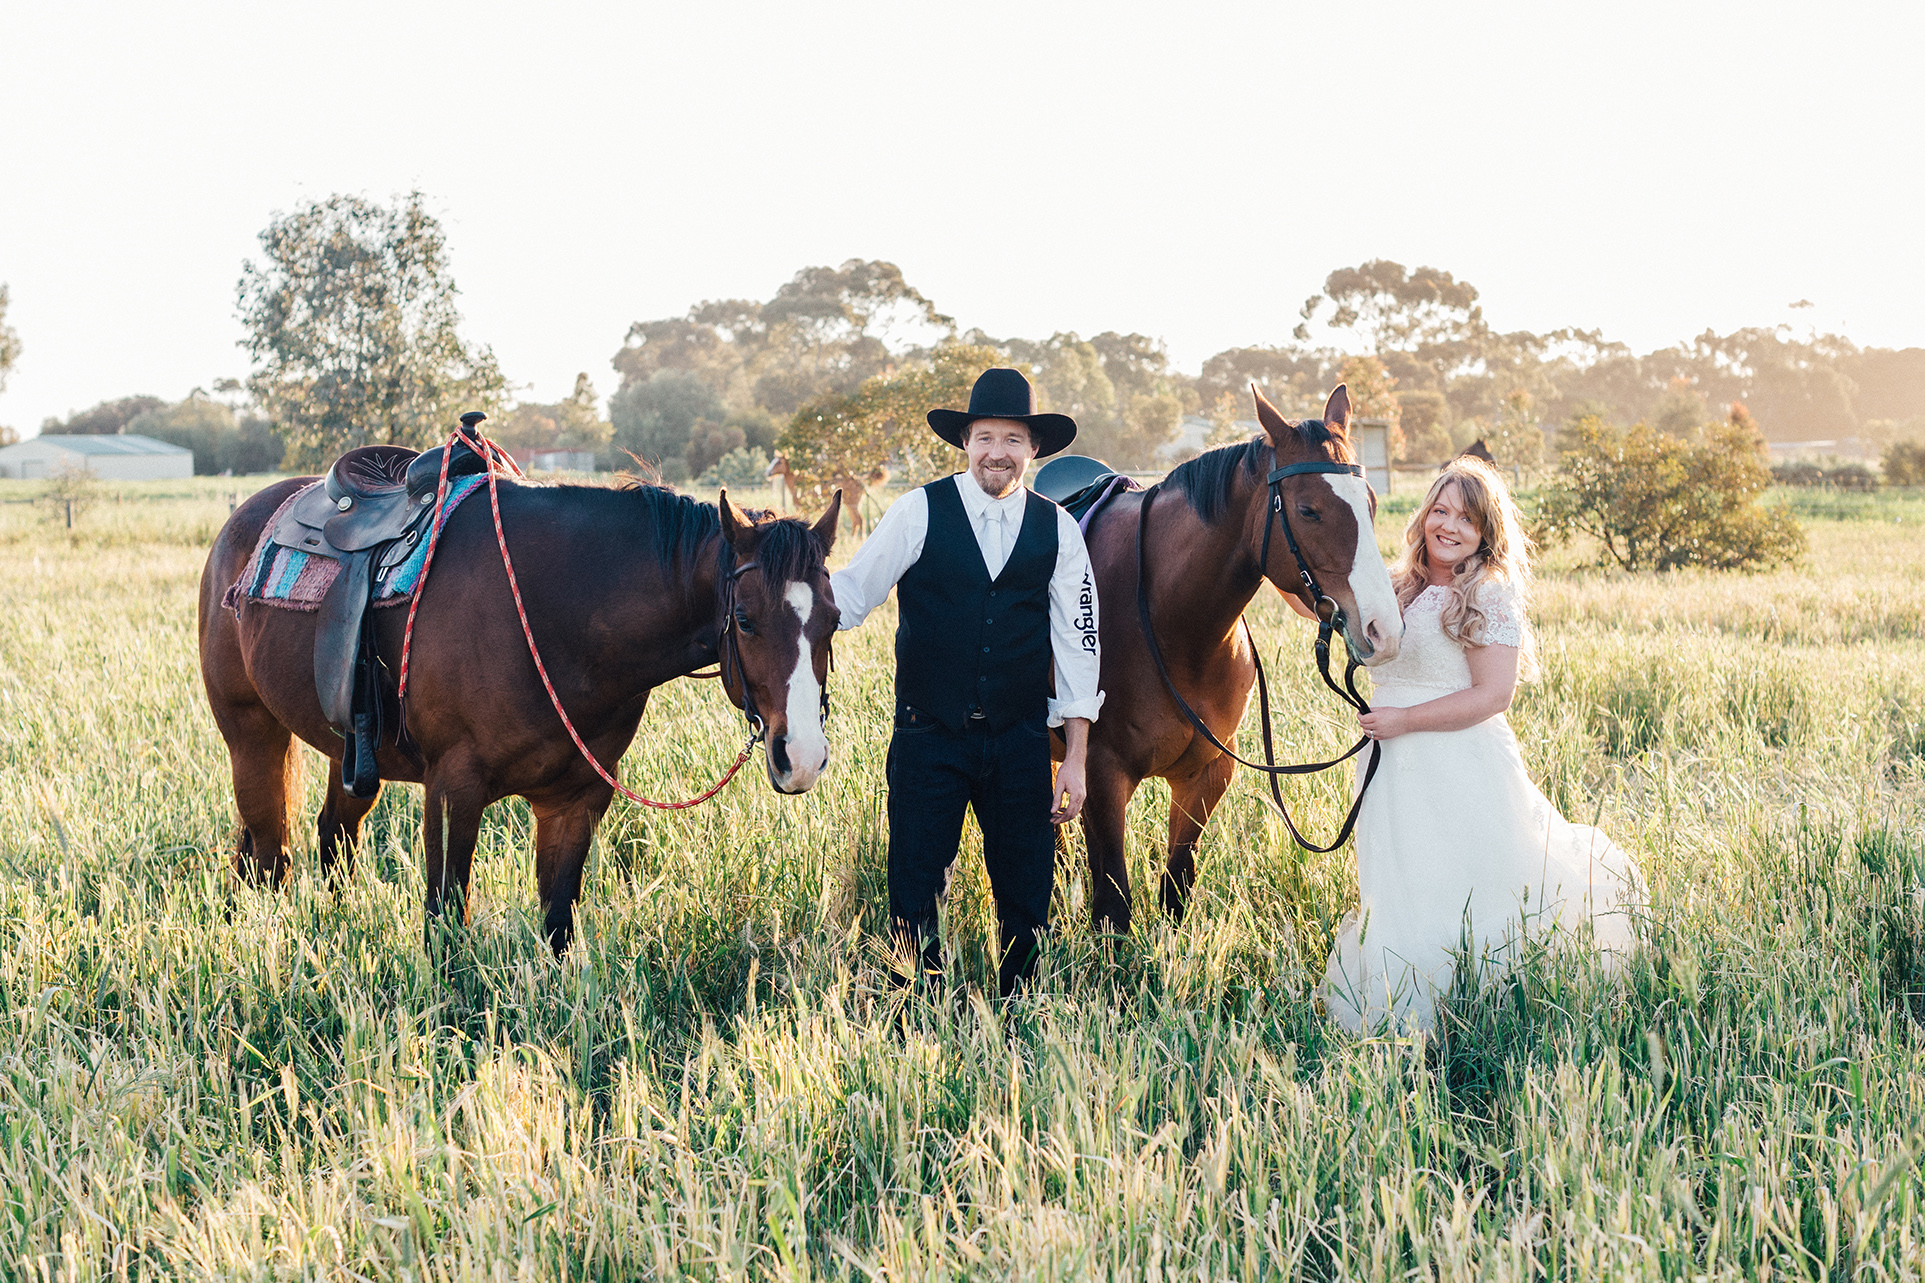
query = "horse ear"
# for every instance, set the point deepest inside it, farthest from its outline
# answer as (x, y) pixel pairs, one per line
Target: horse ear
(825, 529)
(735, 523)
(1274, 425)
(1336, 411)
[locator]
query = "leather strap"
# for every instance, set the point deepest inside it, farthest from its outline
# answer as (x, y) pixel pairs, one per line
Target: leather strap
(1328, 623)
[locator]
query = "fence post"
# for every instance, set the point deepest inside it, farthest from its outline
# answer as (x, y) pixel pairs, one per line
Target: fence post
(70, 514)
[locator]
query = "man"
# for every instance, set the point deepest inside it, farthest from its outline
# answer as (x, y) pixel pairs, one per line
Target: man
(994, 585)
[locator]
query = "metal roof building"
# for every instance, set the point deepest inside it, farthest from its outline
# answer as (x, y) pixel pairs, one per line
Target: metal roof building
(122, 457)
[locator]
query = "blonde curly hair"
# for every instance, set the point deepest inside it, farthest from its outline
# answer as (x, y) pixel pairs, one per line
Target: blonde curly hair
(1503, 556)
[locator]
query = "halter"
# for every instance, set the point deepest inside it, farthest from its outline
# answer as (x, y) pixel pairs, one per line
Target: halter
(1330, 617)
(731, 648)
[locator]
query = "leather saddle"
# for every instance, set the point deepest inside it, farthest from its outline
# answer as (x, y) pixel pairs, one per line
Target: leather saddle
(369, 513)
(1078, 483)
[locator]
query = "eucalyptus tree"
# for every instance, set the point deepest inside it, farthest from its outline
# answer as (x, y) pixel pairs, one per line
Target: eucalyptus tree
(352, 324)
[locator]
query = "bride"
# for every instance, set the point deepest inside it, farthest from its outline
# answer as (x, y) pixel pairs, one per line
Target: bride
(1459, 855)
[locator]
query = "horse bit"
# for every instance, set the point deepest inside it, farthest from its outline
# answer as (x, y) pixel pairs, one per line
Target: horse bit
(1330, 618)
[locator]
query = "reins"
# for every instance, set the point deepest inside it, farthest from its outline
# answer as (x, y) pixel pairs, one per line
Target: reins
(1330, 619)
(493, 454)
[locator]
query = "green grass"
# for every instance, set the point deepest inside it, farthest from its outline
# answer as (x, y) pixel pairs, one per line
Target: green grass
(198, 1079)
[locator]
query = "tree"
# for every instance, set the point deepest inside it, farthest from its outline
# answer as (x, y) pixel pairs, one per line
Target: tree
(572, 423)
(1425, 419)
(109, 418)
(1373, 395)
(1394, 309)
(655, 419)
(1514, 439)
(885, 420)
(1067, 372)
(1681, 411)
(1654, 501)
(222, 441)
(352, 321)
(830, 328)
(9, 341)
(1290, 379)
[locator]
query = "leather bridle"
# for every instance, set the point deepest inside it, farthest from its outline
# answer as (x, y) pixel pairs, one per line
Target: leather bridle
(1330, 618)
(731, 650)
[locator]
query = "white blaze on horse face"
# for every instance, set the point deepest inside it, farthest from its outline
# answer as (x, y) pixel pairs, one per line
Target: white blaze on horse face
(1369, 577)
(808, 746)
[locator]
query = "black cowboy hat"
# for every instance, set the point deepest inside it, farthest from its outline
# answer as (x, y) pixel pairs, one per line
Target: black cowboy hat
(1005, 394)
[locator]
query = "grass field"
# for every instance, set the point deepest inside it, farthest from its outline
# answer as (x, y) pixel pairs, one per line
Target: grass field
(198, 1079)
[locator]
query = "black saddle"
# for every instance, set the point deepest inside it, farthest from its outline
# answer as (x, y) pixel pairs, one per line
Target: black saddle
(1078, 483)
(369, 513)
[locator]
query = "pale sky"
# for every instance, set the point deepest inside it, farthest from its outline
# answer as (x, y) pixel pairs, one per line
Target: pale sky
(1191, 171)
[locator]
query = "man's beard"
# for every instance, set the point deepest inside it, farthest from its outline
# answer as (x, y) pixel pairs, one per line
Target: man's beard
(1009, 479)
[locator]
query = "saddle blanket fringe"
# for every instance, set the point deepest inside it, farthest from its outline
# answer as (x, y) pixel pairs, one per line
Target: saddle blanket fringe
(295, 580)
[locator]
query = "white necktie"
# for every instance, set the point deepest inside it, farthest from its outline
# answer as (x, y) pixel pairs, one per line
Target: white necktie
(994, 544)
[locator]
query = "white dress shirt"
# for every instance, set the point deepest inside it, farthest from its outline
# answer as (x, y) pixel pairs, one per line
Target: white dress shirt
(896, 544)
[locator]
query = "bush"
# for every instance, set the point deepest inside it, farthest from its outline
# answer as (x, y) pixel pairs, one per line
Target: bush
(1653, 501)
(1904, 463)
(741, 469)
(1839, 476)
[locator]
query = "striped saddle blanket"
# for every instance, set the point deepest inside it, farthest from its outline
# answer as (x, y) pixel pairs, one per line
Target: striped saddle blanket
(297, 580)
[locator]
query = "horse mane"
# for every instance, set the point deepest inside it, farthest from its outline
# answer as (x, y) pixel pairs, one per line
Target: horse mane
(680, 525)
(1208, 480)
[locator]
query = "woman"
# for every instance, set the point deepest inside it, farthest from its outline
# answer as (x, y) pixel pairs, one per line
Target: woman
(1458, 853)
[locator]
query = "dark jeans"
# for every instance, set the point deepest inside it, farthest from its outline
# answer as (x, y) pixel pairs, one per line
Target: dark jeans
(933, 774)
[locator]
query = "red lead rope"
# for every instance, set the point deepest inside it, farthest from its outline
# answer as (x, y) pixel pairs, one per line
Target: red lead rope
(493, 454)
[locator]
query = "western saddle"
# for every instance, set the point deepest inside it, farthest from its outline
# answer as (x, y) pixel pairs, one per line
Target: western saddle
(1079, 484)
(369, 513)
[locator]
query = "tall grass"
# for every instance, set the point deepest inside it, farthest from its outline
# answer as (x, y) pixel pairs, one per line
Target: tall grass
(199, 1079)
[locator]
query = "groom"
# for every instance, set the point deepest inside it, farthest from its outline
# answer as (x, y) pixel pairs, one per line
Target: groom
(993, 588)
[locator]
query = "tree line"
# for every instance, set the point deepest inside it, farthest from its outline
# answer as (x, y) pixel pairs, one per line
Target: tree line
(352, 326)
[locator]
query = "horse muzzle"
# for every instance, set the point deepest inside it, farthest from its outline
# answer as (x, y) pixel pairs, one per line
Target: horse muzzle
(797, 762)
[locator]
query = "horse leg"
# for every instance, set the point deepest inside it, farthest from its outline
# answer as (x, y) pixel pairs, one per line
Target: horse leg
(1191, 803)
(452, 820)
(267, 772)
(1104, 834)
(563, 832)
(340, 825)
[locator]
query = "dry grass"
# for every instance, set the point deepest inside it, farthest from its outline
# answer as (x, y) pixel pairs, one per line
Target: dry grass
(203, 1080)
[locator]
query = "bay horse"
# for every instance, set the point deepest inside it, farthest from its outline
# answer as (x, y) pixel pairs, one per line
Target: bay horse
(624, 590)
(1205, 566)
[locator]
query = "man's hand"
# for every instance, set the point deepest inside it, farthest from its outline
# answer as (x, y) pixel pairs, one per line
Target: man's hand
(1071, 781)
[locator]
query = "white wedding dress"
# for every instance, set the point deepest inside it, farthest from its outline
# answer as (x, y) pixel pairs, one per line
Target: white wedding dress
(1459, 855)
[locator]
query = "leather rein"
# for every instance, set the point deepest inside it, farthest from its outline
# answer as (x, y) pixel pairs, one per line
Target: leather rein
(731, 650)
(1330, 619)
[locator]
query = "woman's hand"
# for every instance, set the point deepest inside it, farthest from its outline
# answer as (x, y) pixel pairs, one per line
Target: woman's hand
(1385, 723)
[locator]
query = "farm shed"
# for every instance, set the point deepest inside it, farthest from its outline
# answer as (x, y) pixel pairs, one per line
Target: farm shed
(1370, 438)
(122, 457)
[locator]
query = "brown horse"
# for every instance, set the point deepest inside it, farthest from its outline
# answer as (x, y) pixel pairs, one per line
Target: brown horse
(624, 591)
(1204, 558)
(855, 493)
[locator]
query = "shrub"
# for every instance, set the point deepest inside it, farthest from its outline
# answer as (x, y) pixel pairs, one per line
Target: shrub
(738, 469)
(1904, 463)
(1839, 476)
(1653, 501)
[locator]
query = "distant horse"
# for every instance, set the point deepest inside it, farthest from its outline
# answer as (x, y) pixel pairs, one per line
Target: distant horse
(854, 494)
(624, 589)
(777, 474)
(1204, 559)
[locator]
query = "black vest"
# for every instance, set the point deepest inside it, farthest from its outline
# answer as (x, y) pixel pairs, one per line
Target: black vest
(971, 652)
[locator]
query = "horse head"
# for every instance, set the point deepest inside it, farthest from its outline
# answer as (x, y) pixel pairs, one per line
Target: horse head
(1332, 517)
(776, 636)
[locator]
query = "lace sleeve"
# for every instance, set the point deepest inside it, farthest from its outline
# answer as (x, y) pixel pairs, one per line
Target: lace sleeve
(1503, 615)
